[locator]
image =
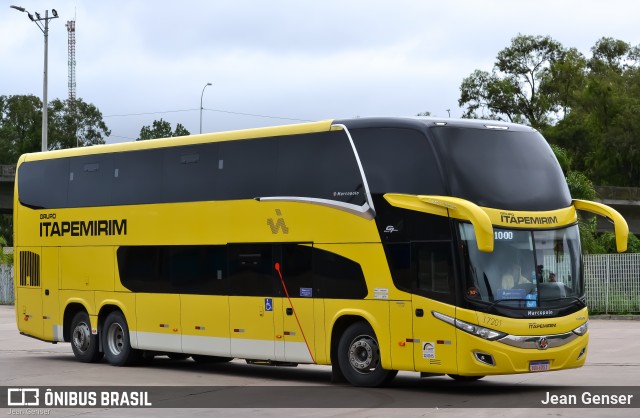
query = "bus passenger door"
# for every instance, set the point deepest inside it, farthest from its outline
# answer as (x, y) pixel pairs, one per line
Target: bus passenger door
(252, 304)
(52, 322)
(433, 291)
(201, 271)
(295, 333)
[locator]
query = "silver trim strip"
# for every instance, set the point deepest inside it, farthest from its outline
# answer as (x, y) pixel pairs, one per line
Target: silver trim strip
(530, 341)
(364, 211)
(364, 178)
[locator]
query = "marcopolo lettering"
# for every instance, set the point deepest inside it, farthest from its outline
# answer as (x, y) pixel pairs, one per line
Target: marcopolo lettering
(94, 228)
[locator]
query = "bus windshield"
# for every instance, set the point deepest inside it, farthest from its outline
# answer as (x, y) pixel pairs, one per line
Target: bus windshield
(527, 269)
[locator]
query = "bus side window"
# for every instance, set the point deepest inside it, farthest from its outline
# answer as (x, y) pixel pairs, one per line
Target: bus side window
(399, 259)
(197, 269)
(433, 267)
(337, 277)
(250, 270)
(295, 261)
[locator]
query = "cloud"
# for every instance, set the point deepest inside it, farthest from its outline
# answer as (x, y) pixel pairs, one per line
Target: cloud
(300, 60)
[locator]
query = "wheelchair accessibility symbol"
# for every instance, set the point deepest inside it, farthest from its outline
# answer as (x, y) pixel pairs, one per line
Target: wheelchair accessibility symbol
(268, 304)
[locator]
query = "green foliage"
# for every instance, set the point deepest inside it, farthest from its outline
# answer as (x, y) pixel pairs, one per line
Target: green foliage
(607, 242)
(588, 105)
(75, 123)
(4, 258)
(515, 90)
(70, 124)
(580, 186)
(161, 129)
(563, 157)
(20, 127)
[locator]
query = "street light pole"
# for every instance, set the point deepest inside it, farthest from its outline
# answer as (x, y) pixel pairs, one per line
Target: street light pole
(201, 95)
(45, 31)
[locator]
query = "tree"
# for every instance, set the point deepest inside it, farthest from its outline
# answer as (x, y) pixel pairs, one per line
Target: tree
(68, 123)
(161, 129)
(515, 89)
(20, 127)
(601, 127)
(74, 123)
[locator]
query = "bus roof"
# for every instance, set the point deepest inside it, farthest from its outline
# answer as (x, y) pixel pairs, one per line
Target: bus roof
(419, 123)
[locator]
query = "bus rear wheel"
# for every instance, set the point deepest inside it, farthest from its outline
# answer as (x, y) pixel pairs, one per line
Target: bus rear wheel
(116, 342)
(359, 357)
(83, 343)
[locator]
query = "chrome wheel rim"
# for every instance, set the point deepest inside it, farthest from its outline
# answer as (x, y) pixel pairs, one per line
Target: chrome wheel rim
(82, 337)
(115, 339)
(364, 354)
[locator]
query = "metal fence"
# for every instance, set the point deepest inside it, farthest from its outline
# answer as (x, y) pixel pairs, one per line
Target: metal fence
(6, 284)
(612, 283)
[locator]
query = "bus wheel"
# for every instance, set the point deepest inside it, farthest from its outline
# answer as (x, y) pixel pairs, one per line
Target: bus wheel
(359, 357)
(116, 343)
(460, 378)
(83, 343)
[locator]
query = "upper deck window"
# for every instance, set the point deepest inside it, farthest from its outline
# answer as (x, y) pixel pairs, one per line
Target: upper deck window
(398, 160)
(503, 169)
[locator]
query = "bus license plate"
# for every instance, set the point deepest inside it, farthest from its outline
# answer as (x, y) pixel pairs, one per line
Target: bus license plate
(539, 366)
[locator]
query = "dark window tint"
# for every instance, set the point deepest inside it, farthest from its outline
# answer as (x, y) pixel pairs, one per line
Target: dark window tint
(90, 180)
(320, 165)
(247, 169)
(197, 269)
(433, 270)
(510, 170)
(251, 272)
(338, 277)
(295, 265)
(399, 259)
(137, 177)
(141, 269)
(398, 161)
(44, 184)
(173, 269)
(189, 173)
(409, 225)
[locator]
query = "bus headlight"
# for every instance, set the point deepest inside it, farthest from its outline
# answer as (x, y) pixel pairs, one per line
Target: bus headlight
(478, 331)
(582, 329)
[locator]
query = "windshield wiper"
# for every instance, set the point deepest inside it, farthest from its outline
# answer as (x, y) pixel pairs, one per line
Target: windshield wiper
(495, 302)
(571, 298)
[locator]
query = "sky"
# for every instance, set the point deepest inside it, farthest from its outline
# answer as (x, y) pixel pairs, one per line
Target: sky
(279, 61)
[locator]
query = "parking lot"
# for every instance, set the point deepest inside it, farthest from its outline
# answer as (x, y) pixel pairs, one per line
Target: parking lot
(612, 362)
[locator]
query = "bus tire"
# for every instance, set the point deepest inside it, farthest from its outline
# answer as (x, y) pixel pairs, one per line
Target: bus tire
(359, 357)
(116, 342)
(83, 343)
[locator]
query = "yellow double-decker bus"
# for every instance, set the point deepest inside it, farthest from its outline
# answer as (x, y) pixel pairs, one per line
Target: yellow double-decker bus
(372, 245)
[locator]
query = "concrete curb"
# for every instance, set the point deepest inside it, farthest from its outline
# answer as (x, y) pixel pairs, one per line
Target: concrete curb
(616, 317)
